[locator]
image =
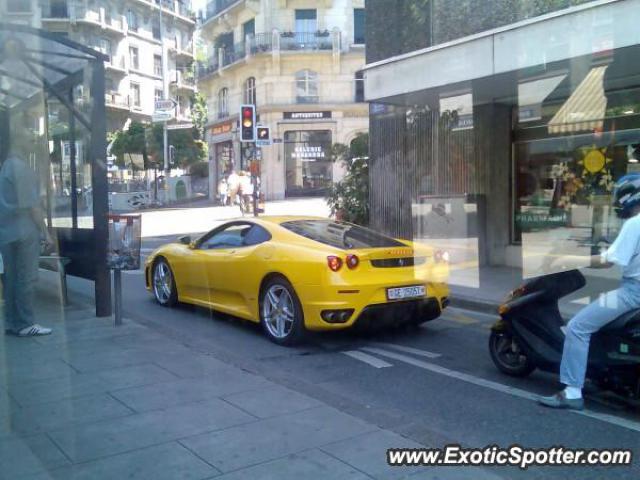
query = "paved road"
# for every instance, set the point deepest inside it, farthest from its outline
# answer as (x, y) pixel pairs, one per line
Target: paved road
(435, 384)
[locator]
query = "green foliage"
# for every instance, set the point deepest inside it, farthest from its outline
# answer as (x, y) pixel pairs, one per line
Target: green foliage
(189, 150)
(131, 141)
(349, 198)
(199, 115)
(147, 140)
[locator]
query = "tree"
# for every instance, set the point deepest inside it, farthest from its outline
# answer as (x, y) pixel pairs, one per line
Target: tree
(199, 115)
(131, 141)
(349, 198)
(188, 149)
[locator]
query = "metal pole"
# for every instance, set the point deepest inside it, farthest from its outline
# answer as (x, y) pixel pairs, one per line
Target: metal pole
(117, 287)
(165, 94)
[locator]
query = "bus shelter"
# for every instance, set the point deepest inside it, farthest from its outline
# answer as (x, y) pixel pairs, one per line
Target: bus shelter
(52, 96)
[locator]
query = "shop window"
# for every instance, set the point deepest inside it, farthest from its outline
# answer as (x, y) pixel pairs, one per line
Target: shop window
(223, 105)
(250, 91)
(306, 86)
(309, 169)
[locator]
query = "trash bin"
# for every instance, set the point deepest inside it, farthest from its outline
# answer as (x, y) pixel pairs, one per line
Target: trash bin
(124, 242)
(124, 253)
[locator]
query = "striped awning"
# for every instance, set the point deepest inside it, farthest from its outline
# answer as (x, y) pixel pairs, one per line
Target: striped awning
(585, 109)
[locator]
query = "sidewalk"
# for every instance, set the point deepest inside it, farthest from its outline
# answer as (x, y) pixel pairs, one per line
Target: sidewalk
(94, 401)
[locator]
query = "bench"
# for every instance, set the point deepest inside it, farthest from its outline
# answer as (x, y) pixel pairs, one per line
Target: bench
(54, 263)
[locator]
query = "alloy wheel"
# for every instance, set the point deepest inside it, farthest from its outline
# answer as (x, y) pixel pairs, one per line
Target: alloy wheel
(278, 311)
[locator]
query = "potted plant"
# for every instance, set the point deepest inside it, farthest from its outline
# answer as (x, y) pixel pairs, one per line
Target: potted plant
(349, 198)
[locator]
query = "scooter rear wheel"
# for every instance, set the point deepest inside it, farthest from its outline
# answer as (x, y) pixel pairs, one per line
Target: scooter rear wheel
(507, 355)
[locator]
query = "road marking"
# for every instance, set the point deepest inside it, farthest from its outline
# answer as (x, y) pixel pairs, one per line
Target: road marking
(369, 359)
(402, 348)
(499, 387)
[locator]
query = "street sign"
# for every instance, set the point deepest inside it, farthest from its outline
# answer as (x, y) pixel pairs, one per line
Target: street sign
(167, 104)
(160, 116)
(263, 136)
(179, 126)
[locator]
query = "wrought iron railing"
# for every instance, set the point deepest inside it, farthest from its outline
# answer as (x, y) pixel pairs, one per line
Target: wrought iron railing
(306, 41)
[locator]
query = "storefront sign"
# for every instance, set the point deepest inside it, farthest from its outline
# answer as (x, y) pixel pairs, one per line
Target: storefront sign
(306, 115)
(533, 221)
(308, 153)
(221, 129)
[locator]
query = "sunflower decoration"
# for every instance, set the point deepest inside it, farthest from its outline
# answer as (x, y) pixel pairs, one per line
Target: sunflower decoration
(596, 173)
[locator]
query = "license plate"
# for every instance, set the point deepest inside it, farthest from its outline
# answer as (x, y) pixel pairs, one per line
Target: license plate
(400, 293)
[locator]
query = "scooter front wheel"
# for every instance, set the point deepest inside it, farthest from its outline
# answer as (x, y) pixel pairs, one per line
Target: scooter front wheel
(508, 356)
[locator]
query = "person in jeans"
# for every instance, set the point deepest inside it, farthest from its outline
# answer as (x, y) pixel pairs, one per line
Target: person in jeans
(625, 251)
(21, 227)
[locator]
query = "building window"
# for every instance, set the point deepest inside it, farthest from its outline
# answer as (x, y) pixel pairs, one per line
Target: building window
(358, 25)
(155, 28)
(132, 20)
(104, 46)
(110, 85)
(359, 90)
(157, 65)
(223, 105)
(248, 28)
(306, 86)
(18, 6)
(134, 59)
(306, 21)
(135, 94)
(250, 91)
(158, 95)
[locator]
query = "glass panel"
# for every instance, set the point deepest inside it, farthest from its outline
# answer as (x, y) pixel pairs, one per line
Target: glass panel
(309, 167)
(358, 25)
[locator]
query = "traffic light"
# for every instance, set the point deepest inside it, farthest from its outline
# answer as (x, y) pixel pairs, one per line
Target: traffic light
(247, 123)
(263, 134)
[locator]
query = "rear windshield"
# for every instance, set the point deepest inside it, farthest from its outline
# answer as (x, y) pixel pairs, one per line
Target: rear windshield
(340, 234)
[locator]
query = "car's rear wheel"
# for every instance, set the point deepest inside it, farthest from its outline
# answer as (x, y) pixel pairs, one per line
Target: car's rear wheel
(508, 355)
(281, 313)
(164, 285)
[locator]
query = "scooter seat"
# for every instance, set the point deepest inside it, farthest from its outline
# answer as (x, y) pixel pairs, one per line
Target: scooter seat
(626, 320)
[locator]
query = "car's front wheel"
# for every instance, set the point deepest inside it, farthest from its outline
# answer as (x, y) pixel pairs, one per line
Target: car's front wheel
(164, 285)
(281, 313)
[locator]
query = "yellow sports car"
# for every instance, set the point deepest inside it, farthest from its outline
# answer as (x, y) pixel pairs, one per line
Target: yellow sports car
(293, 274)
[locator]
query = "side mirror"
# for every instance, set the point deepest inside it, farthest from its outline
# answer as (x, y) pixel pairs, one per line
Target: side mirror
(185, 240)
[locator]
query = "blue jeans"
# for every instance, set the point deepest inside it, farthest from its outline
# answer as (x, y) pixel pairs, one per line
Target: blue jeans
(20, 275)
(588, 321)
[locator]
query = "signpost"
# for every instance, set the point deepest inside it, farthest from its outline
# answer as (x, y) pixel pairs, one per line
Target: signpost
(165, 105)
(179, 126)
(160, 116)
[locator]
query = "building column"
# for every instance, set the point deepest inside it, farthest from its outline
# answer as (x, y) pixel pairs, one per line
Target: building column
(492, 123)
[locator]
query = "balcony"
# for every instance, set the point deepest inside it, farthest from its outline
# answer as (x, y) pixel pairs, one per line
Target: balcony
(117, 101)
(116, 65)
(215, 7)
(274, 43)
(181, 49)
(184, 80)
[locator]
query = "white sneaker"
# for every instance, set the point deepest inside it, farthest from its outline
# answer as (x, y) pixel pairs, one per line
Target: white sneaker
(33, 330)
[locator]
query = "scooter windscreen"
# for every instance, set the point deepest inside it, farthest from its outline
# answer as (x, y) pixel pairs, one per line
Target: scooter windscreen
(555, 285)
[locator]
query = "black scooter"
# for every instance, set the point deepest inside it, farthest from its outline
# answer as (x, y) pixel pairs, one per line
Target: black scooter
(530, 335)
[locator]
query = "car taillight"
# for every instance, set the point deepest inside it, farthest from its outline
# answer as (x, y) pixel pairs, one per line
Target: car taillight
(352, 261)
(335, 263)
(441, 256)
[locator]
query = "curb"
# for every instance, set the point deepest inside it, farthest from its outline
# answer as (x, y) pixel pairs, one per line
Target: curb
(474, 304)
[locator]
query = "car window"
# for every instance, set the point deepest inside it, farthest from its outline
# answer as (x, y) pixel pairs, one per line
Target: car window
(256, 235)
(340, 234)
(231, 236)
